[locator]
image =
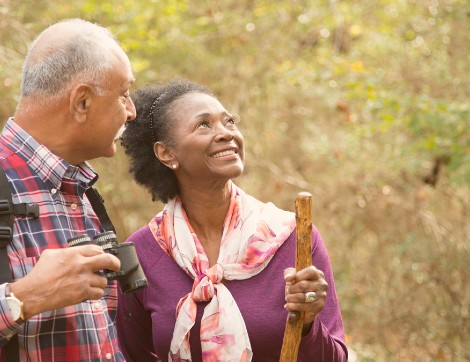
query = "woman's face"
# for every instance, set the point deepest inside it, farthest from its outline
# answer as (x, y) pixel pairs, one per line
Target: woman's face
(207, 143)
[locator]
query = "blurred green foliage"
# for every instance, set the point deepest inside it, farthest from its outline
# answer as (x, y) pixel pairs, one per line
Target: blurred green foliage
(363, 104)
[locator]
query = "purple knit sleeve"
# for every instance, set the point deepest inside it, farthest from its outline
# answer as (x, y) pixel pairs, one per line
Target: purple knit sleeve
(134, 323)
(325, 342)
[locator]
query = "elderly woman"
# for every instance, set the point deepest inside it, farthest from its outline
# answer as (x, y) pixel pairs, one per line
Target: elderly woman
(218, 261)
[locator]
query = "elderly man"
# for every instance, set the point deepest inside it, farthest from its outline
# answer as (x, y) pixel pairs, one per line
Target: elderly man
(74, 104)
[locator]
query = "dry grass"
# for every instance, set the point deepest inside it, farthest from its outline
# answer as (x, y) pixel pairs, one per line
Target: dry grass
(331, 116)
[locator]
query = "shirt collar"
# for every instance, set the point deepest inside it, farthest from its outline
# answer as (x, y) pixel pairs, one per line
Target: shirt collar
(48, 166)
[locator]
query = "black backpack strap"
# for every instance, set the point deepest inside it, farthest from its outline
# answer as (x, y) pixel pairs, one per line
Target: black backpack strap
(12, 349)
(97, 203)
(6, 234)
(8, 210)
(6, 224)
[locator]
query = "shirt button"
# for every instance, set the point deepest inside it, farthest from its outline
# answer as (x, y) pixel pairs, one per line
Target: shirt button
(108, 356)
(74, 206)
(53, 191)
(97, 305)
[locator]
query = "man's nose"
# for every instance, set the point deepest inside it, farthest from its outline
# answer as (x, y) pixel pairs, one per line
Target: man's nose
(131, 112)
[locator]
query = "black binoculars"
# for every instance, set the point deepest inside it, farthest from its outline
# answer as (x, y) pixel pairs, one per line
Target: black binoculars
(131, 276)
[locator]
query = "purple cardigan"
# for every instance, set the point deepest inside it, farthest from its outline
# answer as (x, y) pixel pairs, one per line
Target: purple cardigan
(146, 319)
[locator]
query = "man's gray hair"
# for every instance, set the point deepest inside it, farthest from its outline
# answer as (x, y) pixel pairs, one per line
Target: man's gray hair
(83, 57)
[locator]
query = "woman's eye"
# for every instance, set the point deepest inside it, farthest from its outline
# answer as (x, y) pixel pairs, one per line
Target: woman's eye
(203, 124)
(232, 121)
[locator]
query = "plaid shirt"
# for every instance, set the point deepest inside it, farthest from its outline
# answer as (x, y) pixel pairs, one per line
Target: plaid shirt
(81, 332)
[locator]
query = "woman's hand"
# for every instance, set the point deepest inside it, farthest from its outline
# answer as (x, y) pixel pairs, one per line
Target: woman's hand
(305, 292)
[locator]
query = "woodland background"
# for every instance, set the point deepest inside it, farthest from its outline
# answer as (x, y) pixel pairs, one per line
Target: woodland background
(364, 104)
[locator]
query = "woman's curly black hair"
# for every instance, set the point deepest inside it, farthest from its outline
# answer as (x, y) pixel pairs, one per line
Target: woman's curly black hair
(154, 121)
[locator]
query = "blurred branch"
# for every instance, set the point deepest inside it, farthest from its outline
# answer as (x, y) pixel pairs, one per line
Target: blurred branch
(297, 180)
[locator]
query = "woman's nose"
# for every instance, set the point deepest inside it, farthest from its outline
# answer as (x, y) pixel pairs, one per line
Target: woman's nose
(223, 133)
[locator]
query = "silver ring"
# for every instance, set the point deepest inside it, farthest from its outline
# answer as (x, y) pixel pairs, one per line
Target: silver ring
(310, 297)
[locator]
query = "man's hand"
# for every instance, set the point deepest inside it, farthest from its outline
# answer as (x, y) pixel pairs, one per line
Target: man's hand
(64, 277)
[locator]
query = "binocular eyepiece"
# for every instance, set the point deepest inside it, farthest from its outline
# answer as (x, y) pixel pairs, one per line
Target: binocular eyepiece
(131, 276)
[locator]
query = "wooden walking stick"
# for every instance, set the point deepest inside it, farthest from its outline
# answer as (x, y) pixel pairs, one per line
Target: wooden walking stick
(303, 259)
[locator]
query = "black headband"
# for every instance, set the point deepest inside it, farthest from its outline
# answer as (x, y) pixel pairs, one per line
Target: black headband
(154, 104)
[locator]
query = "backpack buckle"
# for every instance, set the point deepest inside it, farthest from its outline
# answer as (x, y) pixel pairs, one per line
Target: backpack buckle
(5, 236)
(26, 209)
(5, 207)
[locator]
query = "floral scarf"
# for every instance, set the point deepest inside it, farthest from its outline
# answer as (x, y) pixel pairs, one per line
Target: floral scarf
(250, 238)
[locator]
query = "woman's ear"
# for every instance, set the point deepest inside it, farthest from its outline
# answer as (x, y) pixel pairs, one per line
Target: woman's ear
(80, 101)
(165, 156)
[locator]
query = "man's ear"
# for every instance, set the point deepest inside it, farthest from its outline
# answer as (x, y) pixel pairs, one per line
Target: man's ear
(80, 100)
(164, 154)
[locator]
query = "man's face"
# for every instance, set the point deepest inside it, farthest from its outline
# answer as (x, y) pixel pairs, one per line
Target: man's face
(110, 110)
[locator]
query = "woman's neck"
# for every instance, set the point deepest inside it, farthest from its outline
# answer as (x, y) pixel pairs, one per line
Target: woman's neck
(206, 211)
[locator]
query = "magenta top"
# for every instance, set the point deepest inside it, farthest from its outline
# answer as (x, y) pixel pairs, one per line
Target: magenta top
(146, 319)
